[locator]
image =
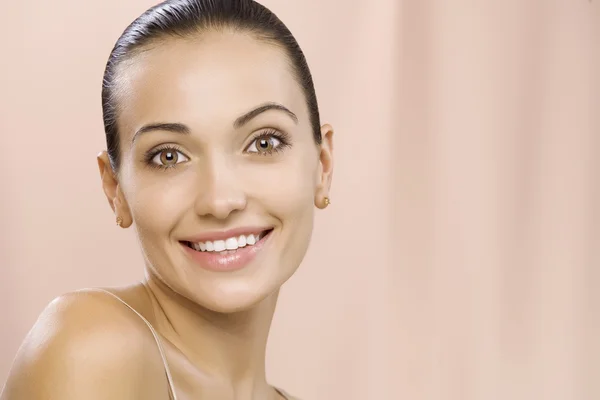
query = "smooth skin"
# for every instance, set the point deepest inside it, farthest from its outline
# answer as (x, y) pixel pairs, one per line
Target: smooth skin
(213, 175)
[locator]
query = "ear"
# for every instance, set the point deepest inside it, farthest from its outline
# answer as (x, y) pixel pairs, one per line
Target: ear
(325, 166)
(112, 190)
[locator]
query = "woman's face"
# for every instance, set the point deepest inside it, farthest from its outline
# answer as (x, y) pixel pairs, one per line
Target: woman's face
(217, 153)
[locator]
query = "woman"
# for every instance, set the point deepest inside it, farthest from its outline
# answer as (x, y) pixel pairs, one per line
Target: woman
(216, 155)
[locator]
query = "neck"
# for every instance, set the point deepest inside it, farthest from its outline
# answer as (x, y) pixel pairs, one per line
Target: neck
(230, 348)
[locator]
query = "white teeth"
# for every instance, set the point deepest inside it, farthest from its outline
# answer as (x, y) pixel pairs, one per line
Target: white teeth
(219, 245)
(232, 243)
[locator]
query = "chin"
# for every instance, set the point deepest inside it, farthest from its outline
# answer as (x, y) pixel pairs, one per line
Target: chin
(231, 298)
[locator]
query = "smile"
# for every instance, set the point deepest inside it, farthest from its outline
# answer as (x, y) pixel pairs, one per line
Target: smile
(230, 244)
(227, 251)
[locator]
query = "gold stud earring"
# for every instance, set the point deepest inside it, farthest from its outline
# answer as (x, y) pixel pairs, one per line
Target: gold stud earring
(119, 221)
(326, 201)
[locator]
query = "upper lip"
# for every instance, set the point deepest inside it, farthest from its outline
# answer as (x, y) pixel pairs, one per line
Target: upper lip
(222, 235)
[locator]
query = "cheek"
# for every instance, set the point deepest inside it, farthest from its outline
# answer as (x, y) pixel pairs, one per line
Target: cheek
(286, 190)
(285, 187)
(160, 198)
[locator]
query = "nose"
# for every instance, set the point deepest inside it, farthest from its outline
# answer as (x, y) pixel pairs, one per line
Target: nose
(220, 192)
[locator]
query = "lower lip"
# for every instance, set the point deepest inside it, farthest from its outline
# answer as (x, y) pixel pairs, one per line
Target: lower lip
(237, 260)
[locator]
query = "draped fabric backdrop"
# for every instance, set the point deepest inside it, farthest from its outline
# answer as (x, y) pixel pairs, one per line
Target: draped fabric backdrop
(460, 257)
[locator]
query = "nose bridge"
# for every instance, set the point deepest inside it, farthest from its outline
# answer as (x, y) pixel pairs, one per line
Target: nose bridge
(220, 192)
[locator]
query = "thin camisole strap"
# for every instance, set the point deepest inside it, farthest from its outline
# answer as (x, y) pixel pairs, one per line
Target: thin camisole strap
(172, 392)
(284, 394)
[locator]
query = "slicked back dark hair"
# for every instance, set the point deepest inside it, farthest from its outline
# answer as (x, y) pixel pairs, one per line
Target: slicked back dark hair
(187, 18)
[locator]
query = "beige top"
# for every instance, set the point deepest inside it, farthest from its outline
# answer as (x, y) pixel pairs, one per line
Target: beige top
(172, 392)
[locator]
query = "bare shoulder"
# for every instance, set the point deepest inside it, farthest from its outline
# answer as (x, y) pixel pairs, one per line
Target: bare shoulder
(88, 345)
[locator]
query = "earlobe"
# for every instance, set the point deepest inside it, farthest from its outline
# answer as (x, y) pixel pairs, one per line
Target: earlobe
(322, 203)
(122, 214)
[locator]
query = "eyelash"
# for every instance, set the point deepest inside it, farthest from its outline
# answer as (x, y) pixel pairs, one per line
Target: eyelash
(283, 138)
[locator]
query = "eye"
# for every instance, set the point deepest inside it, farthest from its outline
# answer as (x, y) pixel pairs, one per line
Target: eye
(168, 158)
(264, 144)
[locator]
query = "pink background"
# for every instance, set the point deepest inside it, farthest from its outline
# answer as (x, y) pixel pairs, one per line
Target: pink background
(460, 257)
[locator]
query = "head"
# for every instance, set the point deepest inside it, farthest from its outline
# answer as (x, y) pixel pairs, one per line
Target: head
(213, 133)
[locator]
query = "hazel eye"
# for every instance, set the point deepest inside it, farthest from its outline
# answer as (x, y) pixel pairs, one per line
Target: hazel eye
(264, 144)
(169, 158)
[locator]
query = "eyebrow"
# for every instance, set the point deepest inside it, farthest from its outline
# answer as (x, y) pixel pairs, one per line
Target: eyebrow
(244, 119)
(161, 126)
(238, 123)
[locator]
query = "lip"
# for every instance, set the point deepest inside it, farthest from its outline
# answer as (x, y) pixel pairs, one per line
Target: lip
(234, 261)
(223, 235)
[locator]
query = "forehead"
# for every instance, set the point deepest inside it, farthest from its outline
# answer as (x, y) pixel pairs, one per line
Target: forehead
(205, 81)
